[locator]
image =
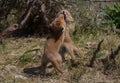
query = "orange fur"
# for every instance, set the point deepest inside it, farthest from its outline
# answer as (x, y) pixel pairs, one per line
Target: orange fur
(68, 43)
(68, 15)
(53, 44)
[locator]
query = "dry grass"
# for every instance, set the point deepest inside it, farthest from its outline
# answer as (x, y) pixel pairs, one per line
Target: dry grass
(16, 54)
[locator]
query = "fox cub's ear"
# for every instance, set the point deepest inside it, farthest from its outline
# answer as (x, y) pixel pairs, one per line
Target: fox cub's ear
(67, 14)
(65, 17)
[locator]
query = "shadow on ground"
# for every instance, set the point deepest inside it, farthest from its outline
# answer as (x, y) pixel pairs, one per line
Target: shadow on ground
(34, 71)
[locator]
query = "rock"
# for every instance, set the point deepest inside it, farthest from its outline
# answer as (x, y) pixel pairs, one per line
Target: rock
(1, 62)
(20, 76)
(10, 68)
(90, 45)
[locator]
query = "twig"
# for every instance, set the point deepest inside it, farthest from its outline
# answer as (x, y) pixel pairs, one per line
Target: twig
(21, 21)
(37, 49)
(95, 54)
(109, 60)
(43, 11)
(114, 53)
(8, 31)
(111, 56)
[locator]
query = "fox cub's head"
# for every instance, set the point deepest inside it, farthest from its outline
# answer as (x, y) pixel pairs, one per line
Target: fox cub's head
(68, 15)
(58, 25)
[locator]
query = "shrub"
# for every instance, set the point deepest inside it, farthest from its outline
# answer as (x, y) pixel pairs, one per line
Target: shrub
(113, 14)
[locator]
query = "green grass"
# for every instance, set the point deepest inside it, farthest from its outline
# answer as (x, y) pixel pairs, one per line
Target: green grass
(17, 52)
(24, 59)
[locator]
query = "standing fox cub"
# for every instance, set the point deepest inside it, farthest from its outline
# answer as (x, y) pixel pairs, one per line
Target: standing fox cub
(68, 45)
(53, 44)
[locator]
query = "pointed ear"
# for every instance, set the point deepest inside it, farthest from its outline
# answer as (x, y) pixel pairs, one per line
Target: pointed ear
(65, 17)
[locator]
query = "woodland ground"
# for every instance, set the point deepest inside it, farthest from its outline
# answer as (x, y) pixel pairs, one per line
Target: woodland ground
(24, 54)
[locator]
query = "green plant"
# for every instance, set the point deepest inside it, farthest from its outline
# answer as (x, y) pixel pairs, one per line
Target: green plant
(113, 14)
(101, 54)
(24, 59)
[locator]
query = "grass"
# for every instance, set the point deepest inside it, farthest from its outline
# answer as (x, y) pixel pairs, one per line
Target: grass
(17, 52)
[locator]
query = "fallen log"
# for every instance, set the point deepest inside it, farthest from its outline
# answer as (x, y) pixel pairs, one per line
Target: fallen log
(11, 28)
